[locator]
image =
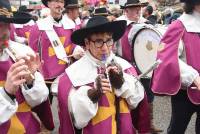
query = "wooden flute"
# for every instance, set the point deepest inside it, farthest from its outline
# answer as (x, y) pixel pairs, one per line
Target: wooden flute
(13, 55)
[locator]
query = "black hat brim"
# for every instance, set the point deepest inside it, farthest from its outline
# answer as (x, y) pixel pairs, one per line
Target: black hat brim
(116, 27)
(17, 18)
(71, 6)
(101, 14)
(134, 5)
(191, 1)
(28, 10)
(45, 2)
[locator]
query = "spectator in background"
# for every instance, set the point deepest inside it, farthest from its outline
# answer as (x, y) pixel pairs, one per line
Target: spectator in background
(148, 14)
(176, 15)
(167, 14)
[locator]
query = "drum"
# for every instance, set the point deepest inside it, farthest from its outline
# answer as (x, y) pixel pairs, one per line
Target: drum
(145, 42)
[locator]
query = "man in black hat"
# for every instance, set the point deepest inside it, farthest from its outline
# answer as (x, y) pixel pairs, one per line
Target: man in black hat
(103, 11)
(21, 32)
(99, 90)
(131, 14)
(22, 88)
(71, 14)
(51, 38)
(71, 18)
(178, 74)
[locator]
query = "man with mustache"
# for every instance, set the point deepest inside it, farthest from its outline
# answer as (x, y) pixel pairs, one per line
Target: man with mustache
(51, 38)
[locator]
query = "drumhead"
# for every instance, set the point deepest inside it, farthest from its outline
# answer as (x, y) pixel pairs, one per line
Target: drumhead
(145, 46)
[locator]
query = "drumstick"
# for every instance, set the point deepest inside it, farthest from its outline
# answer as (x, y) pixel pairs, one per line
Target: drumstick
(72, 55)
(151, 68)
(193, 87)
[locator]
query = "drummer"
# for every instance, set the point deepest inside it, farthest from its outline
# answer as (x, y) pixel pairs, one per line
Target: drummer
(132, 10)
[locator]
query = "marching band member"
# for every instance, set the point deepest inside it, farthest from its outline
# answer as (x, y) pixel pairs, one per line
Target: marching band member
(51, 38)
(20, 32)
(20, 94)
(71, 14)
(98, 92)
(132, 13)
(179, 70)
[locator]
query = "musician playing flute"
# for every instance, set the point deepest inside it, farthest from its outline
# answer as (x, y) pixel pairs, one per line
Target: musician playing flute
(97, 93)
(22, 88)
(51, 38)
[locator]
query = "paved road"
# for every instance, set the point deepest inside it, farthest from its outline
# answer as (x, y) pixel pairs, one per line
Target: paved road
(162, 113)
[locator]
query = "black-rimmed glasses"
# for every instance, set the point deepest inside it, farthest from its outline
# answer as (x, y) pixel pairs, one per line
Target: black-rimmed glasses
(99, 42)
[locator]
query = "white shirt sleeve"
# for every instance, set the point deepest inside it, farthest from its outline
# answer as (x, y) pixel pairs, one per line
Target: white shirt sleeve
(38, 93)
(8, 107)
(132, 90)
(81, 107)
(187, 72)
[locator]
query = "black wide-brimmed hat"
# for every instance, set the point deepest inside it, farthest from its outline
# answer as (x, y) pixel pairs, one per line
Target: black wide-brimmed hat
(101, 11)
(71, 4)
(45, 2)
(7, 16)
(191, 1)
(99, 24)
(24, 8)
(134, 3)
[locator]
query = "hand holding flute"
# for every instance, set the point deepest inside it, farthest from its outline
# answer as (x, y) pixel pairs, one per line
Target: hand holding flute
(21, 71)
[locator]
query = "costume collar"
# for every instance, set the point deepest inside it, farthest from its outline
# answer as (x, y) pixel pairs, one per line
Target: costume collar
(30, 23)
(48, 23)
(97, 62)
(55, 23)
(84, 71)
(18, 49)
(70, 23)
(3, 56)
(123, 17)
(191, 22)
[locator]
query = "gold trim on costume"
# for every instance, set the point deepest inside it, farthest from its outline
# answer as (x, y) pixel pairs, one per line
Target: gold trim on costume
(5, 12)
